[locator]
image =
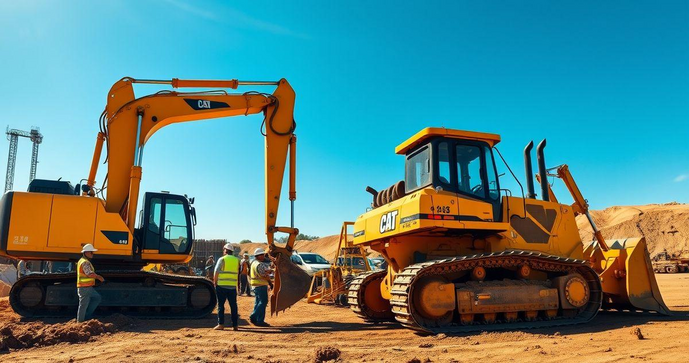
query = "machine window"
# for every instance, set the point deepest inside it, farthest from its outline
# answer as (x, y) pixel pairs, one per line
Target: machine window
(493, 188)
(444, 162)
(153, 230)
(313, 258)
(418, 170)
(175, 228)
(469, 170)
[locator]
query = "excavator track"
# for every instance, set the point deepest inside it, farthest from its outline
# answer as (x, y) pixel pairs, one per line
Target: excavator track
(404, 285)
(142, 294)
(355, 297)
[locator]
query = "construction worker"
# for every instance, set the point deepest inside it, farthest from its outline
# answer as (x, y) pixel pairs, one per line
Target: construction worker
(21, 269)
(226, 278)
(89, 298)
(210, 262)
(260, 280)
(244, 266)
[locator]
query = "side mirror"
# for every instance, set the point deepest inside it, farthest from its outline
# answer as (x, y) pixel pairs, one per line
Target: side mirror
(193, 215)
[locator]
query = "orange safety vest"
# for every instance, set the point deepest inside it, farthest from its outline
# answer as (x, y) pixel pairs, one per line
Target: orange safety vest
(82, 279)
(244, 270)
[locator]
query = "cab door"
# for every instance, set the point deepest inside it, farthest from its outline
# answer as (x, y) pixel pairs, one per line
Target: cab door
(167, 230)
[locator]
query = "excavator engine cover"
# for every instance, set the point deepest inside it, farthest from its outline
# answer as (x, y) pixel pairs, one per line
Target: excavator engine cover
(291, 284)
(626, 275)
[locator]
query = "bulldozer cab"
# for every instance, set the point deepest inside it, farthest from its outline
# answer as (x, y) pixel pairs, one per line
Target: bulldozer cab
(454, 161)
(166, 225)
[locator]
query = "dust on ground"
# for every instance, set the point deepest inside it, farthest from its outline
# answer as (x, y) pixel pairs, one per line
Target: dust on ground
(298, 335)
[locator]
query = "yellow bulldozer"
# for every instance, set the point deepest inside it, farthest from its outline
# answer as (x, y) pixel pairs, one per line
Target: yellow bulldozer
(332, 285)
(465, 255)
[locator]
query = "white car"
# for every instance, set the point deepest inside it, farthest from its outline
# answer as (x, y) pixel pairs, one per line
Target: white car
(310, 262)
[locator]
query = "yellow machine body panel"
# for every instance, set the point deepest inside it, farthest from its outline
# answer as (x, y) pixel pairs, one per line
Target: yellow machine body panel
(67, 231)
(547, 227)
(27, 232)
(43, 226)
(424, 210)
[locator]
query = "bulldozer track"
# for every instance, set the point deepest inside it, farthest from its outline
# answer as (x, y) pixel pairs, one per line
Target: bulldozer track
(355, 297)
(403, 288)
(201, 298)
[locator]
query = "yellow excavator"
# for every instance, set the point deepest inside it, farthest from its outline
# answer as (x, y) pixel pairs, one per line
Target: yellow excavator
(465, 255)
(53, 220)
(332, 285)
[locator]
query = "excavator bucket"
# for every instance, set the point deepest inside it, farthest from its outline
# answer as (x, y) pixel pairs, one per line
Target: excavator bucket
(627, 276)
(291, 284)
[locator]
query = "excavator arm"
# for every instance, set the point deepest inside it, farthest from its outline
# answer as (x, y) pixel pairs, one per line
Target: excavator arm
(129, 122)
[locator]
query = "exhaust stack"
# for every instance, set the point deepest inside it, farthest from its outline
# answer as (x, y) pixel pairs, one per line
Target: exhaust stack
(530, 193)
(540, 158)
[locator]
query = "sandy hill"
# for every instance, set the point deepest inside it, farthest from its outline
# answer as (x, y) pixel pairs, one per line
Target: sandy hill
(665, 226)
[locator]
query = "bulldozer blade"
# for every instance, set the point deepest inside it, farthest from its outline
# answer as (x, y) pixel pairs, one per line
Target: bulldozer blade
(627, 276)
(291, 284)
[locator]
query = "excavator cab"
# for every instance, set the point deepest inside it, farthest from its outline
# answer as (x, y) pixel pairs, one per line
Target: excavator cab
(167, 225)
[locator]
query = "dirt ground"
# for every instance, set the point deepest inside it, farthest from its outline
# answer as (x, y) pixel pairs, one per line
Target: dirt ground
(297, 334)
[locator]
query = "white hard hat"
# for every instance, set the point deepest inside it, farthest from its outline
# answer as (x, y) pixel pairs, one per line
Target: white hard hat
(259, 251)
(88, 248)
(228, 246)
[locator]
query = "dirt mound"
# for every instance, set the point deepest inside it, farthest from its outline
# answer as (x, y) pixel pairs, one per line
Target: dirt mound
(665, 226)
(227, 352)
(19, 335)
(637, 333)
(325, 354)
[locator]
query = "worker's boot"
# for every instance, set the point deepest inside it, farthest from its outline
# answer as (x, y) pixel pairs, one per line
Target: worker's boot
(219, 327)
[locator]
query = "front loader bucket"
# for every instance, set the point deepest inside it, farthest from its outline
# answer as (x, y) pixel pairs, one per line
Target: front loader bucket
(291, 284)
(627, 276)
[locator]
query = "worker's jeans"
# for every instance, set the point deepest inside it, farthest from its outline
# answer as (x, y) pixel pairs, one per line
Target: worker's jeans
(244, 288)
(259, 314)
(89, 299)
(230, 295)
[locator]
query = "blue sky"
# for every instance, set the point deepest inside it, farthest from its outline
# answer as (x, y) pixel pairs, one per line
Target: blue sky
(606, 83)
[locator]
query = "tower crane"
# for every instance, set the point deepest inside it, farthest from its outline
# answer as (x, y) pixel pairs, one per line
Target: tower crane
(13, 136)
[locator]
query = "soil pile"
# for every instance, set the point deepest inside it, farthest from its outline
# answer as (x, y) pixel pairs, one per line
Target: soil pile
(326, 354)
(665, 226)
(15, 334)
